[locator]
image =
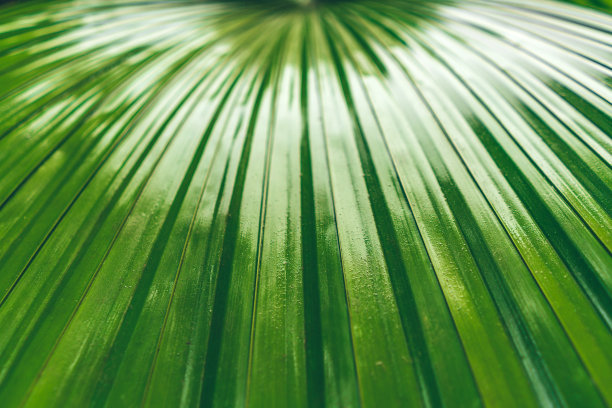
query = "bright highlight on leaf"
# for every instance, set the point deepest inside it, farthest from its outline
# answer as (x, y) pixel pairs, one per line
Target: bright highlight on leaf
(298, 203)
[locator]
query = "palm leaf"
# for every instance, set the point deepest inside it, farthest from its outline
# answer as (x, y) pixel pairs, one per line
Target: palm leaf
(276, 203)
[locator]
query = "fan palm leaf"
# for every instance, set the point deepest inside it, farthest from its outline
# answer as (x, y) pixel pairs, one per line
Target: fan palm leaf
(305, 203)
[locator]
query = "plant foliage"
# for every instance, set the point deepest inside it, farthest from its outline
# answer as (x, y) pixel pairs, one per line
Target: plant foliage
(296, 203)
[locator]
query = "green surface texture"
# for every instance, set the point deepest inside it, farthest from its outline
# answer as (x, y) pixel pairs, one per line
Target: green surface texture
(392, 203)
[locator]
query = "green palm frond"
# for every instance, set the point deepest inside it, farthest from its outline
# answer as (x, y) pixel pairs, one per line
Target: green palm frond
(305, 203)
